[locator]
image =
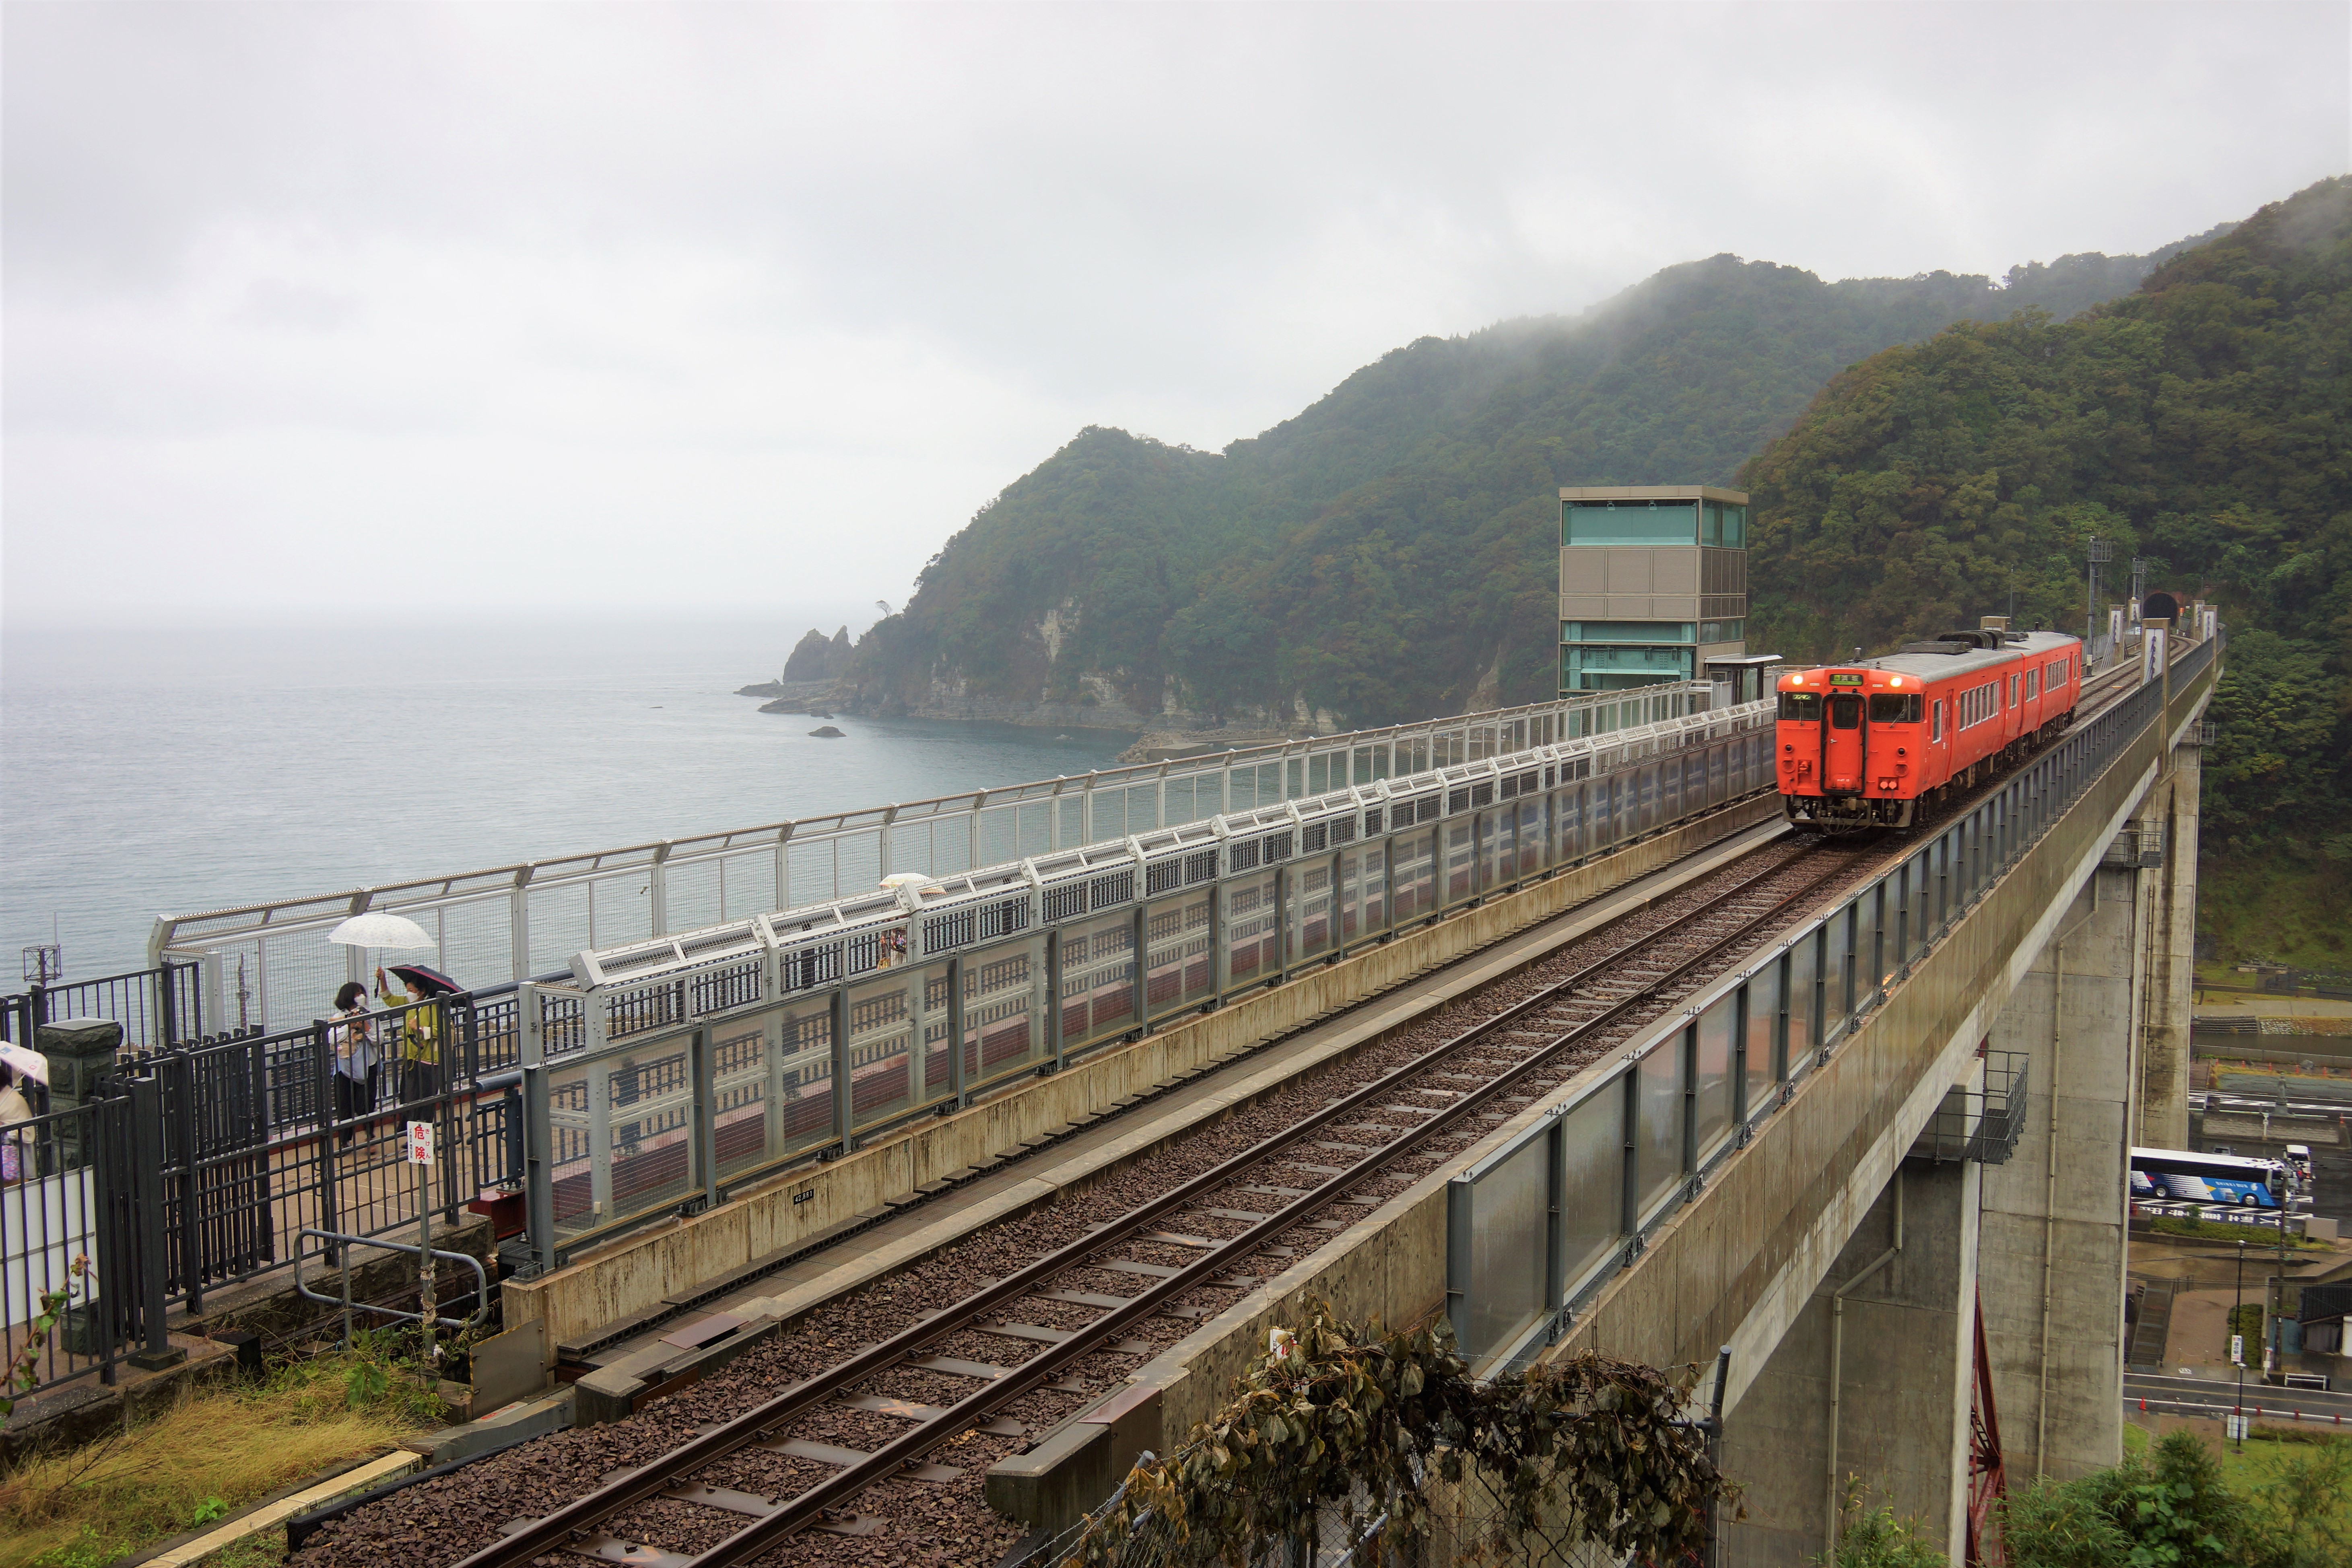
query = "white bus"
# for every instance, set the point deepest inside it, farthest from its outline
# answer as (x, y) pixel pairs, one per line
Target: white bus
(2184, 1176)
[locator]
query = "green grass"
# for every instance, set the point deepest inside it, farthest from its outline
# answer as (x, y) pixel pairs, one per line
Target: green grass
(214, 1452)
(2258, 1463)
(2278, 908)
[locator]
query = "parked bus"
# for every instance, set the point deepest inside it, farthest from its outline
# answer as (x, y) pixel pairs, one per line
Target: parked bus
(2184, 1176)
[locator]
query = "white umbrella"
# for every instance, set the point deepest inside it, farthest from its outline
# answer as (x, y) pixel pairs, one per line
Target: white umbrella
(376, 929)
(24, 1062)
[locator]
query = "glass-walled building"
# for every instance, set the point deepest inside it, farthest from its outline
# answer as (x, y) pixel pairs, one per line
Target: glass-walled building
(1653, 586)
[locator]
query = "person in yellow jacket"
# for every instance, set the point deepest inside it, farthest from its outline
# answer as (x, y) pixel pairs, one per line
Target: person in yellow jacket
(419, 1046)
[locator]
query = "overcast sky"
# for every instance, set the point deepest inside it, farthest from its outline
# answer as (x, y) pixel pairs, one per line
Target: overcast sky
(746, 308)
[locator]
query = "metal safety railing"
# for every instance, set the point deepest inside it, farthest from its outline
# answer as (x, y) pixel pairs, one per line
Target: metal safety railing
(269, 965)
(1538, 1226)
(670, 1071)
(337, 1253)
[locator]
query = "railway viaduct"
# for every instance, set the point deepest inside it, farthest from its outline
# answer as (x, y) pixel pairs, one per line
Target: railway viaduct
(1896, 1315)
(1917, 1256)
(1879, 1157)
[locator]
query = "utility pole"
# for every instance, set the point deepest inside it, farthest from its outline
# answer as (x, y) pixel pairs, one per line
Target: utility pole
(2097, 553)
(2238, 1347)
(2274, 1352)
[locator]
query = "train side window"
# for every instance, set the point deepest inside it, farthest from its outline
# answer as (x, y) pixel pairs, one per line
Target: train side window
(1894, 708)
(1801, 707)
(2012, 691)
(1846, 711)
(1936, 721)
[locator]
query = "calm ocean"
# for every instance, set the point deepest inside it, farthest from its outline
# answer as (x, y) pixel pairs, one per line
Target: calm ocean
(144, 772)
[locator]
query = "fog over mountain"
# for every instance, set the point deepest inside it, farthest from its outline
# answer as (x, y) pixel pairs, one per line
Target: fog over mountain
(660, 308)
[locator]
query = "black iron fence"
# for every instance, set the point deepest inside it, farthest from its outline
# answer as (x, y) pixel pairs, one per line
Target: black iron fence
(198, 1166)
(157, 1008)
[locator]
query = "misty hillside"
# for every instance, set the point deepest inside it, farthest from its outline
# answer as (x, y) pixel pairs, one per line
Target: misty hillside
(2198, 421)
(1388, 553)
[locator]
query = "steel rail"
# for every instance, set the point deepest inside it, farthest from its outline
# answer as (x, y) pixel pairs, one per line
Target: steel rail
(552, 1531)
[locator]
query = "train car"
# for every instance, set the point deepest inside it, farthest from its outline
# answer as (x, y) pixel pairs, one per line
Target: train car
(1881, 742)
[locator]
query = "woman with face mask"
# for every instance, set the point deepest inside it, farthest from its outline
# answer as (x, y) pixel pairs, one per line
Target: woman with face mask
(357, 1059)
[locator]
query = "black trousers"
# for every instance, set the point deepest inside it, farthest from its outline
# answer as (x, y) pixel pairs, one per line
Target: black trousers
(419, 1080)
(354, 1098)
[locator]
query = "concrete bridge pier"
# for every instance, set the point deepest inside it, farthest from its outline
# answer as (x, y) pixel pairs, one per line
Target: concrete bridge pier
(1884, 1350)
(2165, 830)
(2052, 1245)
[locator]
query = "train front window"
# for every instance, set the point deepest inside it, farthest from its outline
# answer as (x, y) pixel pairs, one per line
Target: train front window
(1801, 707)
(1846, 711)
(1894, 708)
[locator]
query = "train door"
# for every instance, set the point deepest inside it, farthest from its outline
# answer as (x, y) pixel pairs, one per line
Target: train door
(1845, 746)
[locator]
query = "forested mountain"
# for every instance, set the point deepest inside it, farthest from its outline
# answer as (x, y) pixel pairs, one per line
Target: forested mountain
(1388, 552)
(2204, 421)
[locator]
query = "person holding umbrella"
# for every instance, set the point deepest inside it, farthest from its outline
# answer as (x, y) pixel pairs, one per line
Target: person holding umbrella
(357, 1054)
(420, 1036)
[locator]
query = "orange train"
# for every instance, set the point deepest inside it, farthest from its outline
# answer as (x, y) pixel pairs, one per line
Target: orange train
(1881, 742)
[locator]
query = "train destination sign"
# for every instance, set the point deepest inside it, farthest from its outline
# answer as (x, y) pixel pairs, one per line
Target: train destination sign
(1842, 679)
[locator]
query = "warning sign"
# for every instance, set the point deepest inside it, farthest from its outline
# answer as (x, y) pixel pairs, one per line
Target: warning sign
(420, 1143)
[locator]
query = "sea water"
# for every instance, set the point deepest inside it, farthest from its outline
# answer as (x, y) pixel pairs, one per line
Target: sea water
(147, 771)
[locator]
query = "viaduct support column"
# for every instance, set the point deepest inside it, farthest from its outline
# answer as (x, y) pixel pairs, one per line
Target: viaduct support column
(2171, 950)
(1897, 1326)
(2051, 1248)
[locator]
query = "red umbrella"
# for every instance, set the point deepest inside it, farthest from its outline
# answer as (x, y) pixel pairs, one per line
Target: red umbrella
(429, 982)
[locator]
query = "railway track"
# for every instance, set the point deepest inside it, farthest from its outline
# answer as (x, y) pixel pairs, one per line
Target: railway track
(905, 1425)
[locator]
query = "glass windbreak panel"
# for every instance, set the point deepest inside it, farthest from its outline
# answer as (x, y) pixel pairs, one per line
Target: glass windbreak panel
(579, 1167)
(1099, 980)
(1763, 1023)
(1923, 877)
(1511, 1215)
(1459, 850)
(1838, 931)
(1000, 1012)
(739, 1061)
(1804, 1003)
(937, 1024)
(1414, 877)
(1658, 1140)
(1711, 1099)
(1633, 523)
(804, 1075)
(1311, 903)
(651, 1099)
(1252, 945)
(1593, 1197)
(881, 1049)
